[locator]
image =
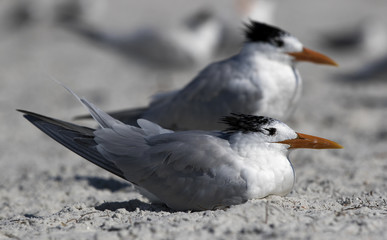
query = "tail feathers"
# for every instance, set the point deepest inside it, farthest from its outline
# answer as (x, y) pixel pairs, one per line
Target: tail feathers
(128, 116)
(76, 138)
(151, 129)
(103, 119)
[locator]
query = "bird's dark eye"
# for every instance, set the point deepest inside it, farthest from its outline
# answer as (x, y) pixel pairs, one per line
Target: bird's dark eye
(279, 42)
(271, 131)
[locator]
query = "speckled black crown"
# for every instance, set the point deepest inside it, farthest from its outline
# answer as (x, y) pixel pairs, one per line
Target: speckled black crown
(247, 123)
(260, 32)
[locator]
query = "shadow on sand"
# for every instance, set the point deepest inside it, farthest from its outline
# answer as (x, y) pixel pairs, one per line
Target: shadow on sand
(115, 185)
(102, 183)
(133, 205)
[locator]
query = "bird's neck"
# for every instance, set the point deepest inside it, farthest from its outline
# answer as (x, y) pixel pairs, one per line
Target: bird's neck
(266, 167)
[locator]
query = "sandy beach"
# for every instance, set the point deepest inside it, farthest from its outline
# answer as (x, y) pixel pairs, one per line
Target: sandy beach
(48, 192)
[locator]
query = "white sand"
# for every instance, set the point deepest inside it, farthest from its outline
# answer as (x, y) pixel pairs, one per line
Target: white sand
(47, 192)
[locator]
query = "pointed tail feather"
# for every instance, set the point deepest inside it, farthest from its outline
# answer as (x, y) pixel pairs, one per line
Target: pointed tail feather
(76, 138)
(128, 116)
(102, 118)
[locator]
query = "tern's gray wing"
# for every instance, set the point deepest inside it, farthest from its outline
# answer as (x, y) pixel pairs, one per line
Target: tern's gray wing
(117, 139)
(185, 170)
(196, 171)
(220, 89)
(76, 138)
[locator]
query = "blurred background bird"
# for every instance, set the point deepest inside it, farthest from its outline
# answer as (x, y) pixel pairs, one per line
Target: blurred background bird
(22, 13)
(367, 38)
(184, 45)
(194, 40)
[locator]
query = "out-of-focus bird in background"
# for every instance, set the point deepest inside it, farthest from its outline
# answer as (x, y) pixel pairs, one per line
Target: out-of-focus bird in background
(368, 39)
(194, 41)
(189, 170)
(24, 12)
(184, 45)
(261, 79)
(191, 43)
(373, 69)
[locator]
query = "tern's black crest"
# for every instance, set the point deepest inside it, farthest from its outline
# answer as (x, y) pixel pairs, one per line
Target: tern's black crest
(260, 32)
(248, 123)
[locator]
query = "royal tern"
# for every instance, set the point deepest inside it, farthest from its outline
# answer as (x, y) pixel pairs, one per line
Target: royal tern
(261, 80)
(191, 43)
(189, 170)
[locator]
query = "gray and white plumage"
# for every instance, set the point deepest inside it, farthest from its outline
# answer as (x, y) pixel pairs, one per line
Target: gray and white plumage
(189, 170)
(261, 80)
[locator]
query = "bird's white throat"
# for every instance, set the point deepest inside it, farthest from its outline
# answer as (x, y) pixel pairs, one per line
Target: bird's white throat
(265, 166)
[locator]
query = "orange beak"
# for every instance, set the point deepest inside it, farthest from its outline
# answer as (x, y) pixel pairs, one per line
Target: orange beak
(312, 56)
(308, 141)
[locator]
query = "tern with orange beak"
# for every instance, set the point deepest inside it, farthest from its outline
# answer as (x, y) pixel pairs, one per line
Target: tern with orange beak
(189, 170)
(261, 80)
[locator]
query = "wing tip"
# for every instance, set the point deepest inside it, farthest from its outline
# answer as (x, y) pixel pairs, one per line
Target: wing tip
(31, 116)
(50, 127)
